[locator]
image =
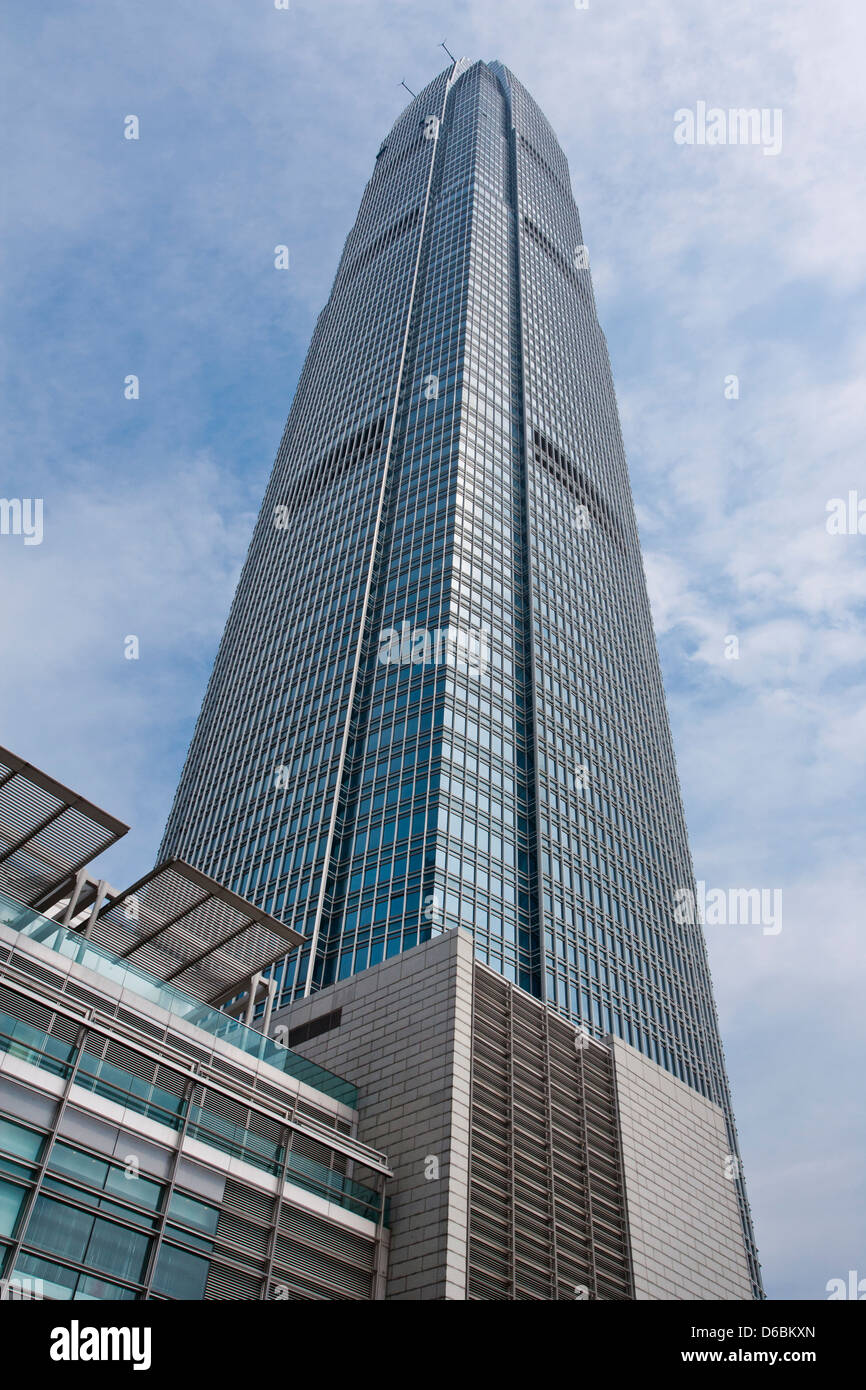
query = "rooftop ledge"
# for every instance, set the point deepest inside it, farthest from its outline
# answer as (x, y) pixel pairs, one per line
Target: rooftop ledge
(77, 948)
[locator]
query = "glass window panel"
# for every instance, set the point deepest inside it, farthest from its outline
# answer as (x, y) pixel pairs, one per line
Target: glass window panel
(60, 1228)
(15, 1139)
(180, 1274)
(92, 1288)
(57, 1282)
(129, 1188)
(11, 1200)
(194, 1213)
(127, 1214)
(17, 1170)
(65, 1159)
(117, 1250)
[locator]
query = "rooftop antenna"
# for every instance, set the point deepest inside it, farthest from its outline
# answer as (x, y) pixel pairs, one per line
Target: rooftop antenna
(409, 90)
(448, 51)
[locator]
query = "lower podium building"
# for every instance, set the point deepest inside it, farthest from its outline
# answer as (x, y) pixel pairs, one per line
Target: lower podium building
(529, 1161)
(152, 1146)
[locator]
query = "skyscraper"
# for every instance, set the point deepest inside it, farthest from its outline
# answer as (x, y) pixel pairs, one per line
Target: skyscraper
(437, 703)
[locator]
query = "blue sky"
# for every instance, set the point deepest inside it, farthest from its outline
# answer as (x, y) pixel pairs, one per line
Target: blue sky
(155, 257)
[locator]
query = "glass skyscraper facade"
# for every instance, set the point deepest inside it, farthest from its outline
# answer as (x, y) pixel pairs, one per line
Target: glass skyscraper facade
(437, 703)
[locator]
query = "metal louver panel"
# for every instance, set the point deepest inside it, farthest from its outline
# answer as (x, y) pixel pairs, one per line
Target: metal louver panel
(224, 1283)
(547, 1217)
(187, 930)
(28, 1011)
(47, 832)
(342, 1280)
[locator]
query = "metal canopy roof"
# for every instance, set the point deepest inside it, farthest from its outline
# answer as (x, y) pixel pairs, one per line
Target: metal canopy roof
(47, 832)
(185, 928)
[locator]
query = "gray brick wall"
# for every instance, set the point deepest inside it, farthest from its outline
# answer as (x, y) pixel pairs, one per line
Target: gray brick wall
(404, 1039)
(686, 1236)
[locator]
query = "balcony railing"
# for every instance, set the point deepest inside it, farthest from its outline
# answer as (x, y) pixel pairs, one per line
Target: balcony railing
(77, 948)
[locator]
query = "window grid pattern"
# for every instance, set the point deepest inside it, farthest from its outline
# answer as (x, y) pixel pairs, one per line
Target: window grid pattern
(87, 1223)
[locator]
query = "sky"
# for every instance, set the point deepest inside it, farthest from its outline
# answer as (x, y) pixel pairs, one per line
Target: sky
(154, 257)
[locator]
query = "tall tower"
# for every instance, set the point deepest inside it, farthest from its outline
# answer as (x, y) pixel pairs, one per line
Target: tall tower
(437, 702)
